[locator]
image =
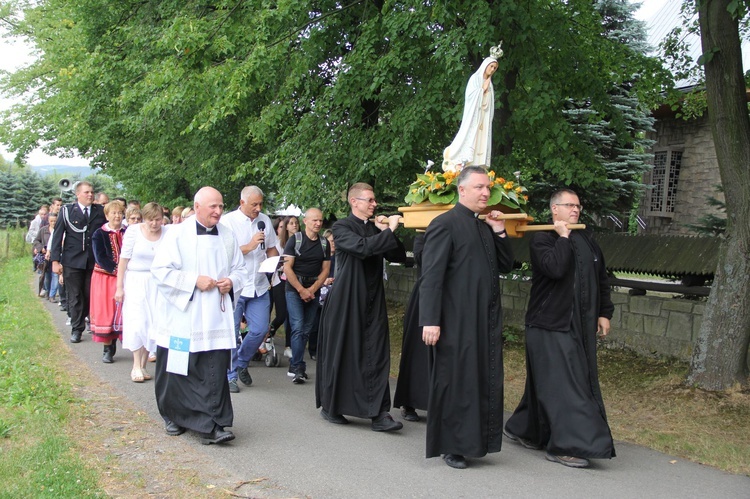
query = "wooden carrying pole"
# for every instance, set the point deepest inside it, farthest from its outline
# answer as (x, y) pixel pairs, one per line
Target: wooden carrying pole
(535, 228)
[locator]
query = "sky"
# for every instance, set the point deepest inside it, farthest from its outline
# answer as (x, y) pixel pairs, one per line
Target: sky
(658, 13)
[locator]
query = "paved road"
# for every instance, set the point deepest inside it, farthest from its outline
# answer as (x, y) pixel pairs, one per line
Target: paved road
(280, 435)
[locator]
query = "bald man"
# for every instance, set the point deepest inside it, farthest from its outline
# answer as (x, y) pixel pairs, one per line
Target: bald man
(195, 267)
(306, 265)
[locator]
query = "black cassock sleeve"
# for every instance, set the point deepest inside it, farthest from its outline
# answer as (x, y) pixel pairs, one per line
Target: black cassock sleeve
(383, 242)
(438, 246)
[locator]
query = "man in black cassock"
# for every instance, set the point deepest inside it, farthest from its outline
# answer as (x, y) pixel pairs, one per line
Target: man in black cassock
(353, 341)
(411, 385)
(562, 407)
(461, 316)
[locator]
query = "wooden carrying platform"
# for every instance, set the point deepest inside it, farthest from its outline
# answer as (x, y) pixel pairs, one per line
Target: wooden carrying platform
(420, 215)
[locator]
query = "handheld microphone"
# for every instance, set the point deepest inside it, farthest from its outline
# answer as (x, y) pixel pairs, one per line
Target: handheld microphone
(262, 227)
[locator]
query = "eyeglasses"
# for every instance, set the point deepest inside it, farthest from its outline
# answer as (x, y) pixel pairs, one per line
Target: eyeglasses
(570, 206)
(367, 200)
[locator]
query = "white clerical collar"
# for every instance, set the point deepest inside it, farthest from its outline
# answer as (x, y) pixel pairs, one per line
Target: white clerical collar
(364, 221)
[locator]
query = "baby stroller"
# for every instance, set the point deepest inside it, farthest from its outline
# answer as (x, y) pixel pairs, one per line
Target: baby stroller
(268, 351)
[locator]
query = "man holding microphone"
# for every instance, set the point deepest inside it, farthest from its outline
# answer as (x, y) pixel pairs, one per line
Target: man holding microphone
(256, 243)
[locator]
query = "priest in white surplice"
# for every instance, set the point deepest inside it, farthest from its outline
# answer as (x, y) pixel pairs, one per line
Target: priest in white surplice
(195, 267)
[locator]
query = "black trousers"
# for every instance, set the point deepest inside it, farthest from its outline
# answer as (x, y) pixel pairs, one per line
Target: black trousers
(278, 301)
(77, 287)
(200, 400)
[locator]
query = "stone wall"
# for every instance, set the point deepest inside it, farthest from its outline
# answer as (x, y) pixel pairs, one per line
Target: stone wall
(646, 324)
(699, 174)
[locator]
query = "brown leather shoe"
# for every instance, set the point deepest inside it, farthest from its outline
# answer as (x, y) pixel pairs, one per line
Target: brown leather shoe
(570, 461)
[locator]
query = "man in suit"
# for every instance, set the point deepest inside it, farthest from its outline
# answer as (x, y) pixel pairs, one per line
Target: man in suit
(72, 255)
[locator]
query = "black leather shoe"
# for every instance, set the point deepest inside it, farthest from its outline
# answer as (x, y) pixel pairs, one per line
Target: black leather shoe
(569, 461)
(108, 354)
(244, 376)
(218, 436)
(526, 443)
(456, 461)
(409, 414)
(333, 418)
(75, 337)
(173, 429)
(384, 422)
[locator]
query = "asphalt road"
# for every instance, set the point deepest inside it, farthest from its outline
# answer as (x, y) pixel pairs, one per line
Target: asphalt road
(281, 436)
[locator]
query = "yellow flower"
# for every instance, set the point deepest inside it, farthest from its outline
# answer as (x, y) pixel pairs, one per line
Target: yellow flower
(508, 186)
(492, 184)
(491, 174)
(438, 186)
(500, 180)
(413, 191)
(448, 181)
(526, 198)
(518, 190)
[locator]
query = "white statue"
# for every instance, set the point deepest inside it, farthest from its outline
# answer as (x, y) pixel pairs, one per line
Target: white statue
(473, 143)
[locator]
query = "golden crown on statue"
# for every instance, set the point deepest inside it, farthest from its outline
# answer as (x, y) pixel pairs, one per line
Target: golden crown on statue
(497, 51)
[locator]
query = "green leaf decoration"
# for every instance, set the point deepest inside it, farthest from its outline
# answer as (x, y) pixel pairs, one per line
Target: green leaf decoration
(444, 198)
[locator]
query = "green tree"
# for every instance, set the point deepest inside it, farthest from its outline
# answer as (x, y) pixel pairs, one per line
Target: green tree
(304, 98)
(617, 139)
(13, 209)
(720, 355)
(30, 193)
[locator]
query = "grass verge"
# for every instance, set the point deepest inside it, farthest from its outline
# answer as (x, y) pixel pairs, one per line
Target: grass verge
(64, 432)
(38, 459)
(646, 401)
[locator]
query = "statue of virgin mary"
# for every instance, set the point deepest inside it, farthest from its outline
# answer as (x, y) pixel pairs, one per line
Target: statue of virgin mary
(473, 143)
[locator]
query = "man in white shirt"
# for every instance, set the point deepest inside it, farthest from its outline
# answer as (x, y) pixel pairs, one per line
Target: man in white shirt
(257, 239)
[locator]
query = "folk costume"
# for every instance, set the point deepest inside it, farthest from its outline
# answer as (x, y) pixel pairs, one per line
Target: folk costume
(460, 292)
(562, 406)
(353, 340)
(105, 315)
(194, 329)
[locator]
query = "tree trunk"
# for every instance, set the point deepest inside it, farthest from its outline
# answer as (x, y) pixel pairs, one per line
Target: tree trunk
(504, 141)
(720, 355)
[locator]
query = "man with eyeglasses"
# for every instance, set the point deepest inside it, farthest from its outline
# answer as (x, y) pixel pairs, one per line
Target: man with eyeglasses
(562, 408)
(353, 341)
